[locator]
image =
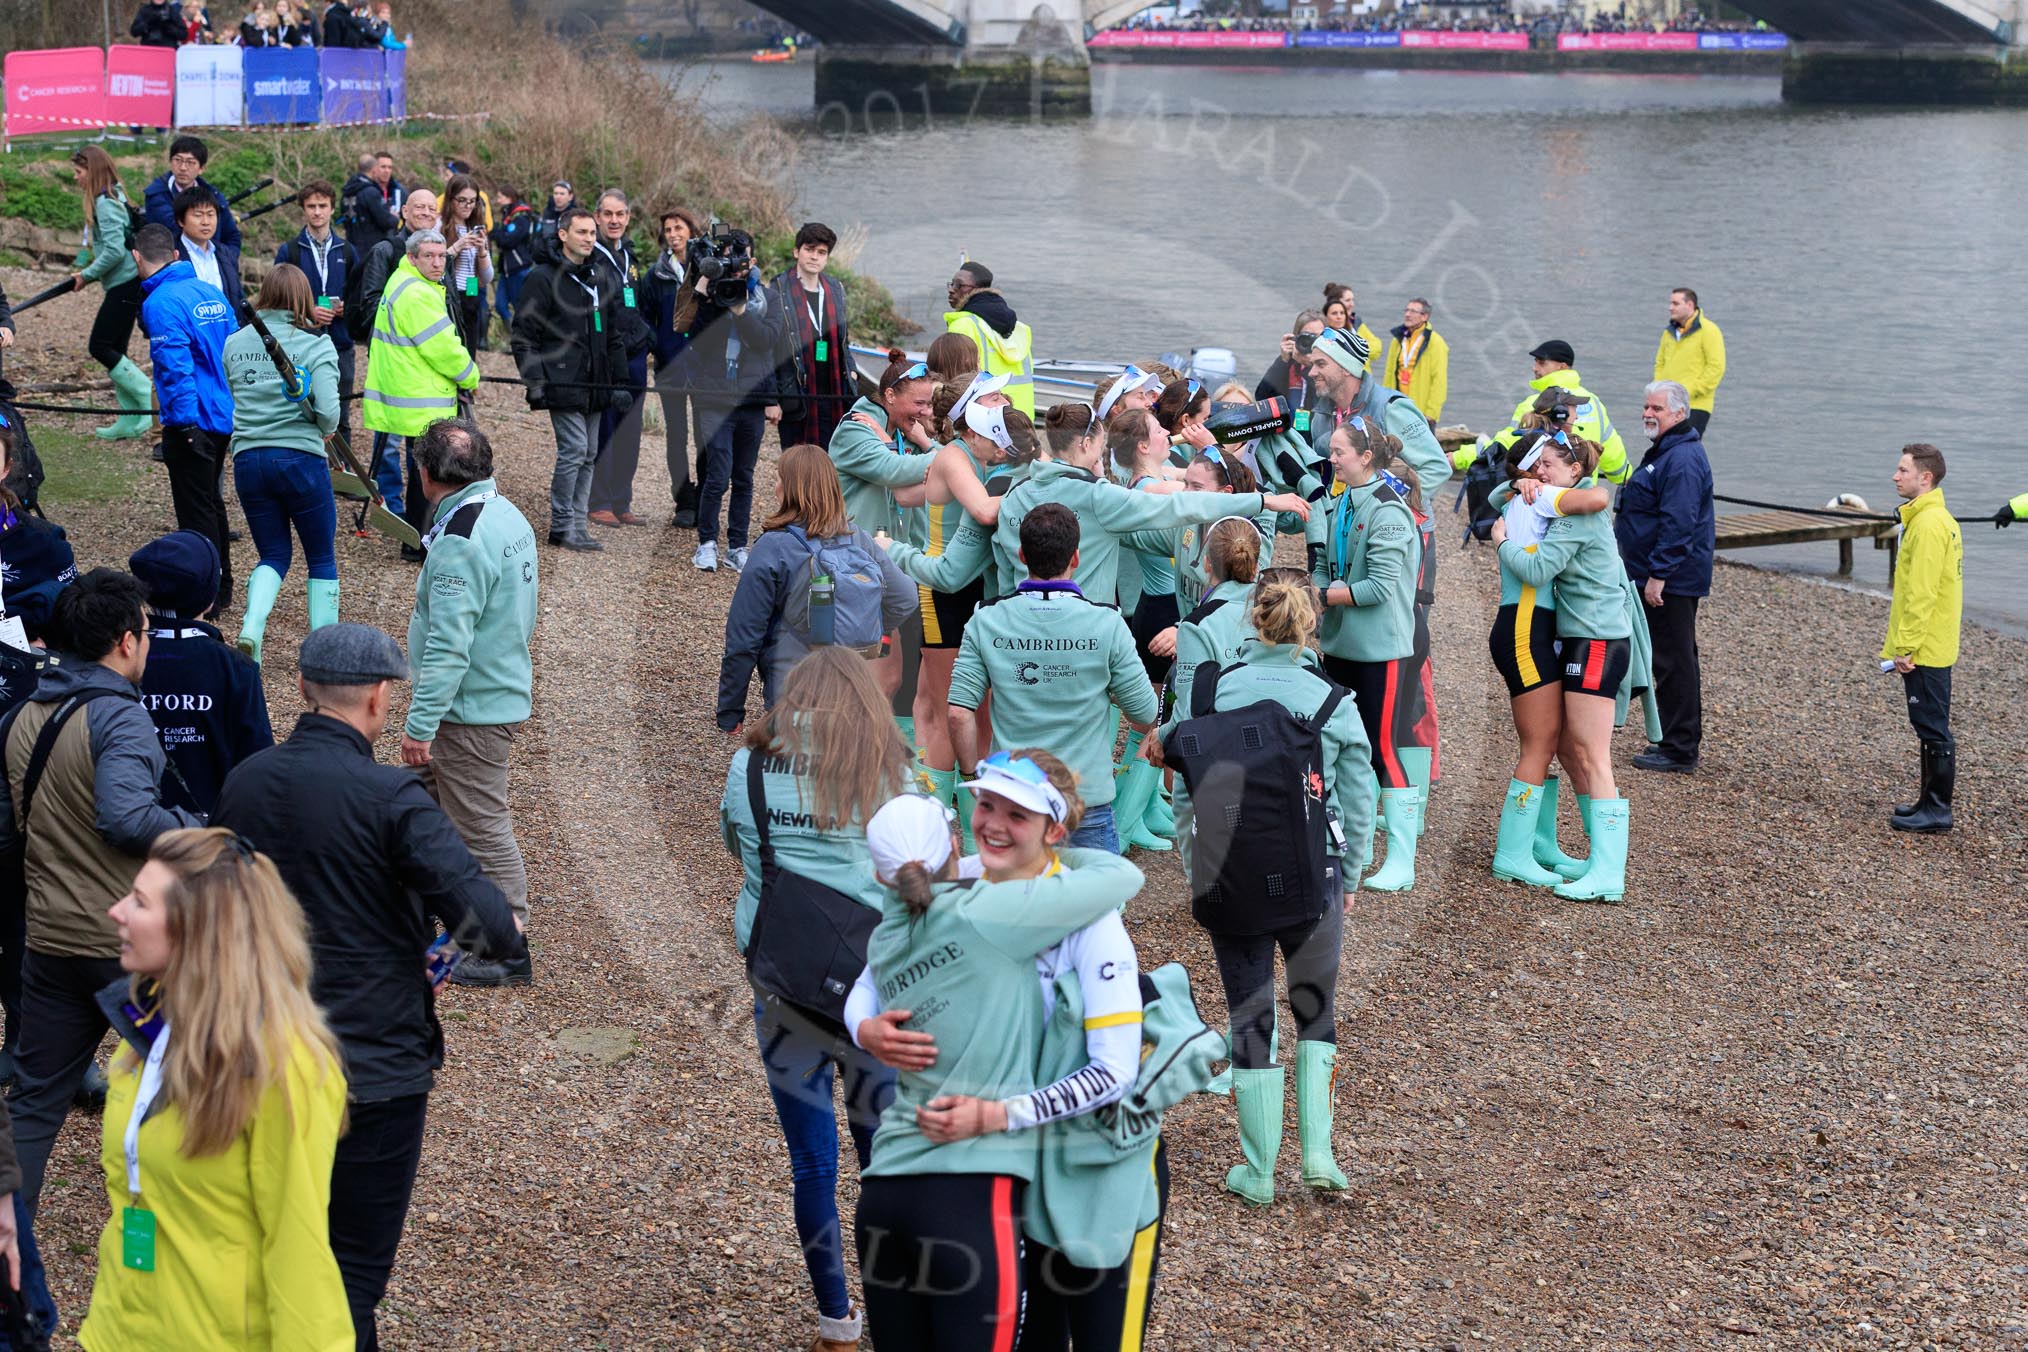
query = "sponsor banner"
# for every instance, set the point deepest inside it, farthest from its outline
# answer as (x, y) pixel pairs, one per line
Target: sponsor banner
(59, 90)
(1742, 42)
(141, 86)
(355, 85)
(209, 85)
(1192, 40)
(1464, 42)
(282, 85)
(1627, 42)
(1326, 39)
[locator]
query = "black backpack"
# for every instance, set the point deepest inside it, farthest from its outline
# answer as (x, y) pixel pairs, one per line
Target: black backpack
(1260, 857)
(1484, 475)
(808, 943)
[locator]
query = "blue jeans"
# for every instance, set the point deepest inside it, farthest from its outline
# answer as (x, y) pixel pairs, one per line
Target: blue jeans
(507, 292)
(730, 447)
(801, 1061)
(34, 1281)
(1096, 832)
(387, 475)
(279, 487)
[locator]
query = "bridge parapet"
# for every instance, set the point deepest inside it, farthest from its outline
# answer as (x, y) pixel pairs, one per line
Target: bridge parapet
(1010, 58)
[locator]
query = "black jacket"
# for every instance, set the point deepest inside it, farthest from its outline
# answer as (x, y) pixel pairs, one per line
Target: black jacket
(372, 859)
(514, 236)
(159, 25)
(706, 341)
(340, 28)
(561, 339)
(370, 214)
(992, 307)
(206, 700)
(625, 276)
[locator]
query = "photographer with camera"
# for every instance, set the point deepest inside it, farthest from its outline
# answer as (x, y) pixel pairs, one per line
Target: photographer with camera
(568, 348)
(732, 333)
(1286, 376)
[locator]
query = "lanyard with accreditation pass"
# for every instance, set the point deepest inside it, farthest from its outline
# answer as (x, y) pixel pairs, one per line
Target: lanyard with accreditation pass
(137, 1224)
(822, 352)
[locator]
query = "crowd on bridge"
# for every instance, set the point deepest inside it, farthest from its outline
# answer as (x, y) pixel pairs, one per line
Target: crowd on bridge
(999, 648)
(1336, 20)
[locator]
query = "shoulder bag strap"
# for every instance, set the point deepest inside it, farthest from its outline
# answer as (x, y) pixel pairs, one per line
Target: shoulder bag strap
(757, 803)
(1204, 688)
(45, 743)
(1327, 708)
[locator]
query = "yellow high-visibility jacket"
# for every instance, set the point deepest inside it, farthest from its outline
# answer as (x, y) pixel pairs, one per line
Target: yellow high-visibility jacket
(1929, 585)
(1694, 359)
(417, 363)
(1430, 384)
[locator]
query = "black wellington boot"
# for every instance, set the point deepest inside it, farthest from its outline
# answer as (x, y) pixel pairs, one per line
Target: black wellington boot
(1910, 809)
(1933, 815)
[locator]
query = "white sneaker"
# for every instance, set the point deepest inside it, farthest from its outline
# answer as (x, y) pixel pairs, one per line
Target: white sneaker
(735, 559)
(705, 560)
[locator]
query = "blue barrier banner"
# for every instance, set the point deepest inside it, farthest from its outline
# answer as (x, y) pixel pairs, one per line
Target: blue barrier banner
(1327, 39)
(282, 85)
(1742, 42)
(355, 85)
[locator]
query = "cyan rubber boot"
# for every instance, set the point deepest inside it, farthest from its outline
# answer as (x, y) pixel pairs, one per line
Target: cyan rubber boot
(1547, 852)
(323, 601)
(1136, 782)
(906, 722)
(943, 784)
(1606, 879)
(964, 801)
(1161, 816)
(1397, 872)
(1415, 764)
(1316, 1079)
(1257, 1096)
(1514, 854)
(1221, 1083)
(263, 585)
(136, 393)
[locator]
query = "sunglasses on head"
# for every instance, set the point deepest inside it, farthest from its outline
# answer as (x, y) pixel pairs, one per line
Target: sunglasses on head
(915, 372)
(1018, 766)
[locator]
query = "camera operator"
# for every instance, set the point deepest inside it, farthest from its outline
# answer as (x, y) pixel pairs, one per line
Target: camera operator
(733, 333)
(1288, 375)
(619, 451)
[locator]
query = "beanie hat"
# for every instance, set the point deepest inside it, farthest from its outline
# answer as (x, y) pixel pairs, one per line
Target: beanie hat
(180, 572)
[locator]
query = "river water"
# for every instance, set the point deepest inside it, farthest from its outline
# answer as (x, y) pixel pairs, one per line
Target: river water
(1858, 261)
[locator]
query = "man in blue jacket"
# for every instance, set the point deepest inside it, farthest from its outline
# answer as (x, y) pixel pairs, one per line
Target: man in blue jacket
(204, 695)
(187, 322)
(187, 158)
(214, 261)
(1668, 532)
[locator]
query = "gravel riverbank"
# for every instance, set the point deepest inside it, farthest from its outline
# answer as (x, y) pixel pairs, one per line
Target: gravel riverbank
(1777, 1099)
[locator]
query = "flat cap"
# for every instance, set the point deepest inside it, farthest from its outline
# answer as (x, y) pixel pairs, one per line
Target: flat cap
(1556, 350)
(351, 654)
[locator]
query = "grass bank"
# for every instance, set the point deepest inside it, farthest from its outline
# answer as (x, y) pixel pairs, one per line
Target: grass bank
(524, 108)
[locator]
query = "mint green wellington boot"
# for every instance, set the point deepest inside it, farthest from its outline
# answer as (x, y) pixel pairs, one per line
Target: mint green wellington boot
(1397, 872)
(964, 801)
(1547, 852)
(1139, 784)
(1514, 854)
(1257, 1095)
(137, 395)
(323, 601)
(1221, 1083)
(1415, 763)
(1161, 816)
(1606, 879)
(906, 722)
(941, 785)
(263, 585)
(1316, 1079)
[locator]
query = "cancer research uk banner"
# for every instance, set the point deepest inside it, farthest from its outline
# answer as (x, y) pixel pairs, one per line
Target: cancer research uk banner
(355, 85)
(1214, 40)
(58, 90)
(1464, 42)
(282, 86)
(209, 86)
(1327, 38)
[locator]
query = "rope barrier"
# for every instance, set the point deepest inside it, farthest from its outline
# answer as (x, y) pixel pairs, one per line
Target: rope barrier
(67, 408)
(1838, 513)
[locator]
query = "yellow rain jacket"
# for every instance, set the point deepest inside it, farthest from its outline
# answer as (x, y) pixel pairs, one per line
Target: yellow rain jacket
(242, 1238)
(1430, 383)
(1929, 585)
(1694, 359)
(1011, 355)
(417, 363)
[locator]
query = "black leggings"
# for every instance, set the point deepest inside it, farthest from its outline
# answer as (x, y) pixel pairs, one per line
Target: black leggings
(1096, 1309)
(1246, 964)
(1389, 698)
(113, 329)
(1154, 614)
(940, 1257)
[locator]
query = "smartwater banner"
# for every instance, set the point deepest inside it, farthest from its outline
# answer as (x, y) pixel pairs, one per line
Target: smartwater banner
(1464, 42)
(209, 86)
(1189, 40)
(1328, 39)
(1627, 42)
(281, 86)
(55, 91)
(355, 85)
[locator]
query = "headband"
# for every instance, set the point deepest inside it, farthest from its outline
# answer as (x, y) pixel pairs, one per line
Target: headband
(1131, 379)
(990, 423)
